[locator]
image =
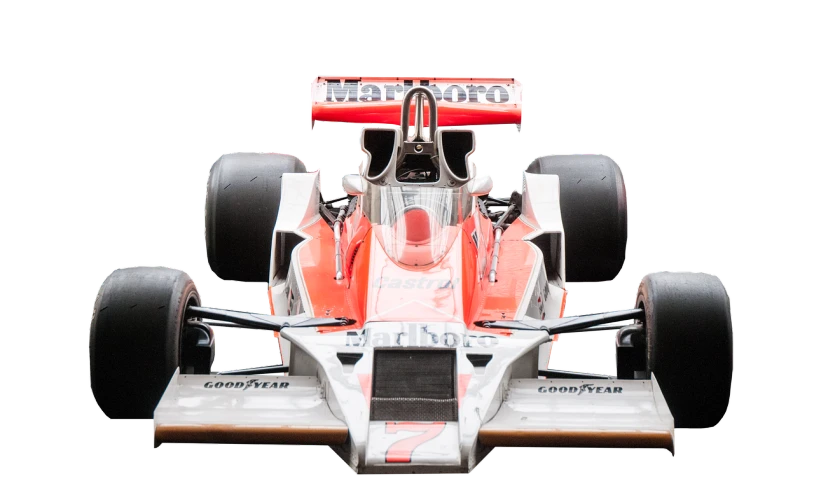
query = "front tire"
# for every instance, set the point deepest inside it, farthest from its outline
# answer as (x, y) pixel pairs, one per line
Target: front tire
(688, 331)
(135, 338)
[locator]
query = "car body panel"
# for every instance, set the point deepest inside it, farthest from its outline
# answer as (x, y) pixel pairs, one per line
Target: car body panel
(413, 299)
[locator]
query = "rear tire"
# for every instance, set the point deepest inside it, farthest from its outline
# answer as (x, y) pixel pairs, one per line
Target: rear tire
(242, 202)
(593, 204)
(689, 344)
(135, 338)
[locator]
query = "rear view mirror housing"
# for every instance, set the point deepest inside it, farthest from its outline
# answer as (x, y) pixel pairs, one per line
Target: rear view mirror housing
(480, 186)
(353, 185)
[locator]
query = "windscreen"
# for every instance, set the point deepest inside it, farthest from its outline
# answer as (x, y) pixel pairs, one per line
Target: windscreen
(417, 225)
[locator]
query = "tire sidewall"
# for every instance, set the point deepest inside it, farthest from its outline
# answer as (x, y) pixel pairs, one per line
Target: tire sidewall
(688, 330)
(134, 354)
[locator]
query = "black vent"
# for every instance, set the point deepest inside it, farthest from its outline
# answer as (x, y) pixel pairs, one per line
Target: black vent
(479, 360)
(379, 143)
(348, 357)
(457, 145)
(414, 385)
(353, 257)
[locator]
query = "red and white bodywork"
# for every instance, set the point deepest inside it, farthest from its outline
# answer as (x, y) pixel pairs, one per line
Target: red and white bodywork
(412, 282)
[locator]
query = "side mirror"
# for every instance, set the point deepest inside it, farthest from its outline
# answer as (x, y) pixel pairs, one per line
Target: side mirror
(354, 184)
(481, 185)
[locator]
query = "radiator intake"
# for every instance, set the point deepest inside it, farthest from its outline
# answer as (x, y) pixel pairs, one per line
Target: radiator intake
(414, 385)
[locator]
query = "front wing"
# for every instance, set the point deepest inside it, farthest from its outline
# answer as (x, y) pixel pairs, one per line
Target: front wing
(272, 409)
(261, 409)
(593, 413)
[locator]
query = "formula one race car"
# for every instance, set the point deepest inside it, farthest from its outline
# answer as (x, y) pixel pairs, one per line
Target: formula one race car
(415, 316)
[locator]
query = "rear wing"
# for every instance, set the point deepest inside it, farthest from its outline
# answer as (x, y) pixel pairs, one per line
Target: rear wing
(377, 100)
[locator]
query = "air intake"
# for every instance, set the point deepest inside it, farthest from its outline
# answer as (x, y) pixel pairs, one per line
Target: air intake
(380, 144)
(456, 147)
(414, 385)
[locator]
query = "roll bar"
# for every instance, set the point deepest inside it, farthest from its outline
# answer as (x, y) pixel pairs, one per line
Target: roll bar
(420, 93)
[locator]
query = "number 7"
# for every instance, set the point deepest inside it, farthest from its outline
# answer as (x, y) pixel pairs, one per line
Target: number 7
(402, 450)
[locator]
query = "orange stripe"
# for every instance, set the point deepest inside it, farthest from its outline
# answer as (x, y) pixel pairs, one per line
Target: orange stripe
(390, 113)
(576, 439)
(241, 434)
(564, 300)
(271, 302)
